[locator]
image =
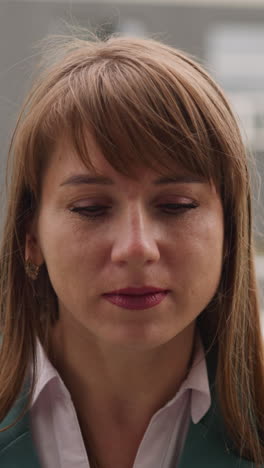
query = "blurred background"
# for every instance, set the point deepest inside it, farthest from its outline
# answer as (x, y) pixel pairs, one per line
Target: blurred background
(226, 36)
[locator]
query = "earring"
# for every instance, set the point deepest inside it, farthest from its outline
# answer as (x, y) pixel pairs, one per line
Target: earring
(32, 270)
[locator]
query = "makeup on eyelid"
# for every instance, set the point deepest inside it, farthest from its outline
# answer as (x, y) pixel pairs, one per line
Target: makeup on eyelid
(156, 201)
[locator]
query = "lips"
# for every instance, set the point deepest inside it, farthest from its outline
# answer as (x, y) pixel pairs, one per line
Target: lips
(137, 291)
(136, 298)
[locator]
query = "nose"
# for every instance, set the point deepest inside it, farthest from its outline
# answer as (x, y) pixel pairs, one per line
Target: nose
(135, 240)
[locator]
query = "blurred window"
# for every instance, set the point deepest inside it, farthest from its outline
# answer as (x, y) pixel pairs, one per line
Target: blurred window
(236, 57)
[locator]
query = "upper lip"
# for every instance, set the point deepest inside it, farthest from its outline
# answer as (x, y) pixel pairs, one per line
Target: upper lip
(139, 291)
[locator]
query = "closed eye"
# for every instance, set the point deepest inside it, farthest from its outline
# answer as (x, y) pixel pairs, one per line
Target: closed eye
(96, 211)
(91, 211)
(176, 208)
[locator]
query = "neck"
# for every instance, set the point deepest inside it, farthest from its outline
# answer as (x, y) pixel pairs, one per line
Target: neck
(119, 376)
(125, 386)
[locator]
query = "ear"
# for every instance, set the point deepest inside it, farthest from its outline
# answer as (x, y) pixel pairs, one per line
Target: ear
(32, 246)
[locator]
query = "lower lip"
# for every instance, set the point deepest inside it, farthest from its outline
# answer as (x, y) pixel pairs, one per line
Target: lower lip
(134, 302)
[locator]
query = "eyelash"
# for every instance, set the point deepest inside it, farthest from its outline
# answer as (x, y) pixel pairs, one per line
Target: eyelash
(96, 211)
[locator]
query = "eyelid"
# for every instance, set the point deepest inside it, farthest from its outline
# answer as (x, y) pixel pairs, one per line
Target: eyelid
(83, 202)
(90, 207)
(177, 206)
(175, 199)
(100, 211)
(178, 200)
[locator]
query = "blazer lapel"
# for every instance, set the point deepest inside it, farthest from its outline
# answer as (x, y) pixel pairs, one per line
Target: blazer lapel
(207, 447)
(16, 445)
(19, 453)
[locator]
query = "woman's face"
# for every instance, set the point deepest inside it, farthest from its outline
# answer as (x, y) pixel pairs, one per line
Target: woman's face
(100, 232)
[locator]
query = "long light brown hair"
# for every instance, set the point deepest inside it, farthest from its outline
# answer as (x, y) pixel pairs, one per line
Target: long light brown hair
(145, 104)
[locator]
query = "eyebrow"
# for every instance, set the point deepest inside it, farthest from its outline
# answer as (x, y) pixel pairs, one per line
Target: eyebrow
(181, 179)
(80, 179)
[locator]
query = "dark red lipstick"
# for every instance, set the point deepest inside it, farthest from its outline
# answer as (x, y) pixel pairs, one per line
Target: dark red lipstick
(137, 298)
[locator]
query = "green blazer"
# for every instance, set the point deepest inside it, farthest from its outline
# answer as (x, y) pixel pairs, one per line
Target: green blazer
(206, 444)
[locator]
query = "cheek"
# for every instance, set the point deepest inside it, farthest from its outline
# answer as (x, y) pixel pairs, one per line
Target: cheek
(197, 262)
(72, 256)
(208, 241)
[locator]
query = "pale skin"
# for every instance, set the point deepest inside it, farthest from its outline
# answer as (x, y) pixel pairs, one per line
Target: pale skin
(147, 232)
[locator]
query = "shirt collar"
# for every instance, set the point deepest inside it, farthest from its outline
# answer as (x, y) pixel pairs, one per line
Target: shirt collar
(45, 374)
(196, 383)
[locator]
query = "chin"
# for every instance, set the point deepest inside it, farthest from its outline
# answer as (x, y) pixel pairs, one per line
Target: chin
(141, 338)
